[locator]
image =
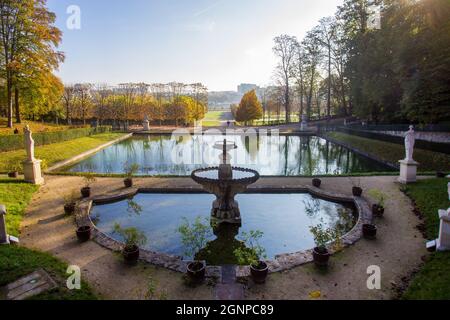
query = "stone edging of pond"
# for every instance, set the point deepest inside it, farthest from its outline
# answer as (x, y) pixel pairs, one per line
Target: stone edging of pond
(281, 262)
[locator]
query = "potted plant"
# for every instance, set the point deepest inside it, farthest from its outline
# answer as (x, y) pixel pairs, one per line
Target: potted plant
(251, 255)
(84, 233)
(89, 179)
(440, 174)
(356, 190)
(380, 198)
(14, 168)
(322, 237)
(70, 203)
(133, 239)
(194, 238)
(369, 231)
(316, 182)
(130, 170)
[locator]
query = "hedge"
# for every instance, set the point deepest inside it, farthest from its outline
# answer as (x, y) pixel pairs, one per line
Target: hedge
(15, 142)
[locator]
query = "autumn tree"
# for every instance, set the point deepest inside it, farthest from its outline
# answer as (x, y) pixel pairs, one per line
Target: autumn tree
(249, 108)
(28, 42)
(83, 100)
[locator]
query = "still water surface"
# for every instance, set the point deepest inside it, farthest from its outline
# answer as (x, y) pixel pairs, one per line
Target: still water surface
(284, 219)
(269, 155)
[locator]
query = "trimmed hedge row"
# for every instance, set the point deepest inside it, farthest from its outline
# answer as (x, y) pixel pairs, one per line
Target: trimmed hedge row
(15, 142)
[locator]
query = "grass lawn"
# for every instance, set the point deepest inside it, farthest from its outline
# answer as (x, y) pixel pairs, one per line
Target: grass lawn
(433, 280)
(214, 118)
(392, 152)
(34, 126)
(16, 262)
(15, 195)
(53, 153)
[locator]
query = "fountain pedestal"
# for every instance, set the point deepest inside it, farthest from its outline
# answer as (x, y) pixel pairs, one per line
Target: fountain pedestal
(225, 182)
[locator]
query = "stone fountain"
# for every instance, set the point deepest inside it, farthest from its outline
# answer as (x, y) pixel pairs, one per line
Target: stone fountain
(225, 182)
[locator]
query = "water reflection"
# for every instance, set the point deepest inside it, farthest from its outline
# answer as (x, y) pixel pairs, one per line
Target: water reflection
(270, 155)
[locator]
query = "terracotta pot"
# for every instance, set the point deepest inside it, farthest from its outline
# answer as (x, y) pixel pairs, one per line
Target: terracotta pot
(357, 191)
(321, 257)
(69, 208)
(441, 174)
(84, 233)
(259, 273)
(13, 174)
(128, 182)
(377, 210)
(131, 254)
(196, 271)
(369, 231)
(86, 192)
(316, 183)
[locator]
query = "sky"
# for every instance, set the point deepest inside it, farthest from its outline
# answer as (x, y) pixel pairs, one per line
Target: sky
(220, 43)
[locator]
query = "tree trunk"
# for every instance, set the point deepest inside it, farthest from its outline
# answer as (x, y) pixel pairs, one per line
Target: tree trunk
(9, 99)
(17, 105)
(68, 119)
(329, 84)
(287, 102)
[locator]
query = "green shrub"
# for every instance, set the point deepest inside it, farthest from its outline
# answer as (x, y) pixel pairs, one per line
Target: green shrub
(15, 142)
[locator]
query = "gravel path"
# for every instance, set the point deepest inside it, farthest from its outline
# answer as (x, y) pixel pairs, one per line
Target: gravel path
(398, 251)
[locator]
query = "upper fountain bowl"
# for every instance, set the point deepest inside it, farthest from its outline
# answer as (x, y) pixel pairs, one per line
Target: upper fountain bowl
(212, 175)
(229, 145)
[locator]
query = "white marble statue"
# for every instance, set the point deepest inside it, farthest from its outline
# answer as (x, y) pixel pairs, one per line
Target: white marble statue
(146, 124)
(29, 143)
(304, 123)
(410, 140)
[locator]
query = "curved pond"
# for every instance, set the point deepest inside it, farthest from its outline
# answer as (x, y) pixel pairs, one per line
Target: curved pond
(284, 219)
(269, 155)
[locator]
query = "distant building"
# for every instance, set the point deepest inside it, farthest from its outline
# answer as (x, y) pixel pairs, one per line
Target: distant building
(243, 88)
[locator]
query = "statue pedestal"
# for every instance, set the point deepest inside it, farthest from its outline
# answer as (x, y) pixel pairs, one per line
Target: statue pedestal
(32, 172)
(304, 123)
(443, 242)
(408, 171)
(4, 238)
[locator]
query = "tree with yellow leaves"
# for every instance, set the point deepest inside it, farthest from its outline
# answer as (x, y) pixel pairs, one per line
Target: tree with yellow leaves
(28, 41)
(250, 108)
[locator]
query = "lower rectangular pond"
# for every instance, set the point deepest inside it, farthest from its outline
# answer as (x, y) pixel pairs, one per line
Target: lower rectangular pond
(269, 155)
(284, 220)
